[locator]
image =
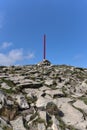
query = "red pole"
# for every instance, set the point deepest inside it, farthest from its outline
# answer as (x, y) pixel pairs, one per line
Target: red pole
(44, 55)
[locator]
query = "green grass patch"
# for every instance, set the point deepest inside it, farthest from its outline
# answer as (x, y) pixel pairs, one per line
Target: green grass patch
(71, 127)
(7, 128)
(62, 125)
(8, 82)
(84, 99)
(9, 91)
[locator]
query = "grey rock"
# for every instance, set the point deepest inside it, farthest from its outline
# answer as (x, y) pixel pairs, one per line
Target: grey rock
(41, 95)
(22, 102)
(1, 128)
(81, 105)
(3, 99)
(42, 102)
(49, 82)
(41, 126)
(49, 128)
(4, 123)
(27, 118)
(43, 115)
(55, 125)
(18, 124)
(10, 103)
(72, 116)
(54, 93)
(5, 86)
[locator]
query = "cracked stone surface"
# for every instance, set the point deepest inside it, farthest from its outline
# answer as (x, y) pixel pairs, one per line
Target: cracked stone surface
(43, 97)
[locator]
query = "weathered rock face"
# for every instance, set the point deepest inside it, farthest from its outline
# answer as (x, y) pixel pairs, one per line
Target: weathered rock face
(43, 97)
(2, 99)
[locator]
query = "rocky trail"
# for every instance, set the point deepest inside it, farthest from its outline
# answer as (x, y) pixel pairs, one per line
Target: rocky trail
(43, 97)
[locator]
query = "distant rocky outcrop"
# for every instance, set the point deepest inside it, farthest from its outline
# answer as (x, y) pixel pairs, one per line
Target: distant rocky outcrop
(43, 97)
(44, 63)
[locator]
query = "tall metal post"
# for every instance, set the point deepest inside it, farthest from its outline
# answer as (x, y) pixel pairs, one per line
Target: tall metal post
(44, 51)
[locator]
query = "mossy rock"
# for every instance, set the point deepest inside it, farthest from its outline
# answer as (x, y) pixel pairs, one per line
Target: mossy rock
(84, 99)
(52, 109)
(71, 127)
(7, 128)
(31, 99)
(9, 112)
(8, 82)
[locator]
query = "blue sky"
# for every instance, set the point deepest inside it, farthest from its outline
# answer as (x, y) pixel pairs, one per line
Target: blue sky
(24, 22)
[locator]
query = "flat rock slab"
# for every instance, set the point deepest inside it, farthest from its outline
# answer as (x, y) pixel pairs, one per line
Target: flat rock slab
(72, 116)
(18, 124)
(42, 102)
(80, 104)
(41, 126)
(54, 92)
(5, 86)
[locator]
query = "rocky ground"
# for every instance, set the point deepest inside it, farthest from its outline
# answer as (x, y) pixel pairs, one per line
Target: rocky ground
(43, 97)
